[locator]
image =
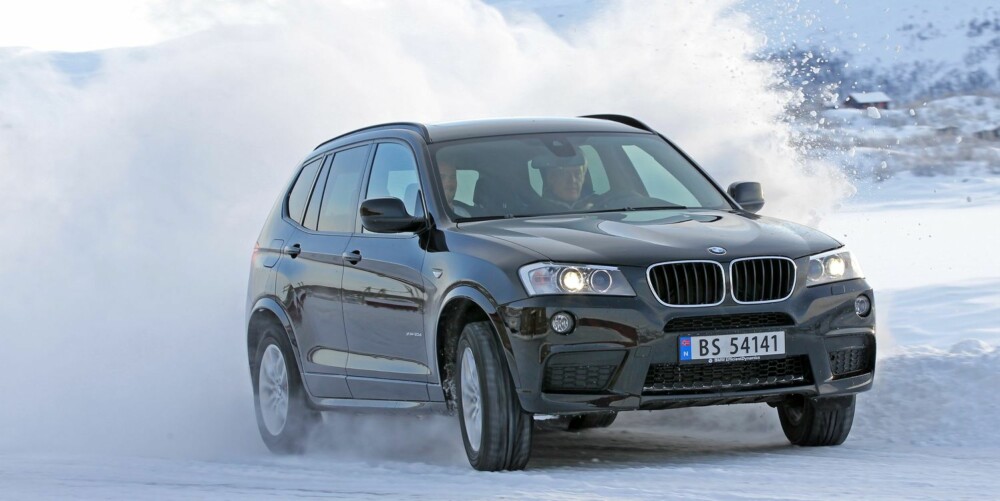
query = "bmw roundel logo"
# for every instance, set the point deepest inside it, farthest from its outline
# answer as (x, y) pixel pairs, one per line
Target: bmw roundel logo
(718, 251)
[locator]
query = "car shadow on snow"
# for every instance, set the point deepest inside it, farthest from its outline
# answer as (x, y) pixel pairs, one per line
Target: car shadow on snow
(680, 437)
(644, 440)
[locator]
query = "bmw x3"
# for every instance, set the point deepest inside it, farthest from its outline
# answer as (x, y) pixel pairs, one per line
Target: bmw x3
(572, 267)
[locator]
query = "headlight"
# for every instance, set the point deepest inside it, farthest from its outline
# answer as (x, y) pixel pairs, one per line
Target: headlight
(555, 278)
(833, 266)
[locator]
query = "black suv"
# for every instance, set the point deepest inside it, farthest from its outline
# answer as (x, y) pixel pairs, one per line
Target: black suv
(578, 267)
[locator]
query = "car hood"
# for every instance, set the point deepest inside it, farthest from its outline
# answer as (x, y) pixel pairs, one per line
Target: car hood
(641, 238)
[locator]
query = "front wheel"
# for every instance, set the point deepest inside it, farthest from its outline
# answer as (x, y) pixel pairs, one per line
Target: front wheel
(815, 422)
(495, 430)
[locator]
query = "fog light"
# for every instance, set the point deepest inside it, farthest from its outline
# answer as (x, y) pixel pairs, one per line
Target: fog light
(562, 322)
(862, 306)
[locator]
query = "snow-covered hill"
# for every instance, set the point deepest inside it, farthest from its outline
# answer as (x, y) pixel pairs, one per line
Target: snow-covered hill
(913, 48)
(944, 136)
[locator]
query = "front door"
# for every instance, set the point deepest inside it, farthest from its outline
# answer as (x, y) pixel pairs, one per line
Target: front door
(384, 294)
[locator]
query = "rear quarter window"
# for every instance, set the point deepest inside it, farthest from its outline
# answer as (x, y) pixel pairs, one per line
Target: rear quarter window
(299, 196)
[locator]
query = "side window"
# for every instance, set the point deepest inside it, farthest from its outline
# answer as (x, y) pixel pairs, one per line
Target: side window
(312, 211)
(535, 178)
(340, 196)
(598, 176)
(299, 196)
(394, 174)
(467, 180)
(659, 182)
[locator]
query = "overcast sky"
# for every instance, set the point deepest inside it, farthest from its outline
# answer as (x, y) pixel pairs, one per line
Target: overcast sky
(75, 26)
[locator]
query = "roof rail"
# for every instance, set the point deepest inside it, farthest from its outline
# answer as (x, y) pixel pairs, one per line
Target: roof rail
(622, 119)
(413, 126)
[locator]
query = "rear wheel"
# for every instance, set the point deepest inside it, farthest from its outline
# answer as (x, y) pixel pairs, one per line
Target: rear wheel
(283, 418)
(817, 421)
(495, 430)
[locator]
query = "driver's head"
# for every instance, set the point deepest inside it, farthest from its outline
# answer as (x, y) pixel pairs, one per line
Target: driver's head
(562, 177)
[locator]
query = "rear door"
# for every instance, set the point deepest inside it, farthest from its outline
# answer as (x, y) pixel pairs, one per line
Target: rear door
(384, 292)
(312, 271)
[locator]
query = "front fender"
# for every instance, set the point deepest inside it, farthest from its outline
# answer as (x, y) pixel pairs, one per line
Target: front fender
(485, 302)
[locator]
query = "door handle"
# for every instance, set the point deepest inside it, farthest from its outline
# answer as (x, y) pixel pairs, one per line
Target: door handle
(352, 257)
(293, 251)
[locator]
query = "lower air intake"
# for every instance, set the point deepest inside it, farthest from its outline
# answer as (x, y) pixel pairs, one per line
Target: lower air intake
(577, 378)
(581, 372)
(850, 362)
(727, 376)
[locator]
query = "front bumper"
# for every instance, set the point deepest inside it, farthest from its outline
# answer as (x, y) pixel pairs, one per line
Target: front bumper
(622, 344)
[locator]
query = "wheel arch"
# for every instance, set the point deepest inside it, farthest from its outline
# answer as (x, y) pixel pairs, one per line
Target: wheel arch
(268, 311)
(462, 305)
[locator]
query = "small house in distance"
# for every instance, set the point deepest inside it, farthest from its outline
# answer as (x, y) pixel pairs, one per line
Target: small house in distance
(950, 130)
(865, 100)
(989, 134)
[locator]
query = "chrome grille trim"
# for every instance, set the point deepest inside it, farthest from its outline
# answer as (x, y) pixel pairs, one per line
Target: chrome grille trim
(721, 282)
(768, 274)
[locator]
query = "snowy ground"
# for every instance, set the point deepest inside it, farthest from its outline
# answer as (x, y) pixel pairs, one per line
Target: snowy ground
(927, 430)
(635, 462)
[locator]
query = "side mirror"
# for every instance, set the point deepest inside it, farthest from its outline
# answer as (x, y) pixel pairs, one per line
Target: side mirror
(748, 195)
(388, 215)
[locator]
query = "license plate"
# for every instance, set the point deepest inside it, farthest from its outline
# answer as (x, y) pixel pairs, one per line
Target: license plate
(731, 347)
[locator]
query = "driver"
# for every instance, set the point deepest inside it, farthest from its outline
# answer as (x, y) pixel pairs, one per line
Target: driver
(562, 180)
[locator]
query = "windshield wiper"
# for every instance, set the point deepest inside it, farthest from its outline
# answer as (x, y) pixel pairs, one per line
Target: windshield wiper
(481, 218)
(622, 209)
(660, 207)
(633, 209)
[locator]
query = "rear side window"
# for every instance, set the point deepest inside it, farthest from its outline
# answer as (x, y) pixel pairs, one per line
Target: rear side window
(312, 211)
(299, 196)
(340, 196)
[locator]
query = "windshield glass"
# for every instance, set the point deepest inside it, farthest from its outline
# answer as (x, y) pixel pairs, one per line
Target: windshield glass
(541, 174)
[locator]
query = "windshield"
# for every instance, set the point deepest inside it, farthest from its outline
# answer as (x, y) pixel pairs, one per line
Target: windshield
(541, 174)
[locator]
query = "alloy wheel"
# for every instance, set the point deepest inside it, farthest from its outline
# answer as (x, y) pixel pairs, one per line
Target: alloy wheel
(472, 408)
(272, 390)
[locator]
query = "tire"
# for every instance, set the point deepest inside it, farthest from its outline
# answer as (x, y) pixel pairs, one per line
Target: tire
(814, 422)
(495, 430)
(592, 420)
(283, 417)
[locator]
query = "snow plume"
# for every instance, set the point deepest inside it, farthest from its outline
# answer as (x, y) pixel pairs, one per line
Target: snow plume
(131, 198)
